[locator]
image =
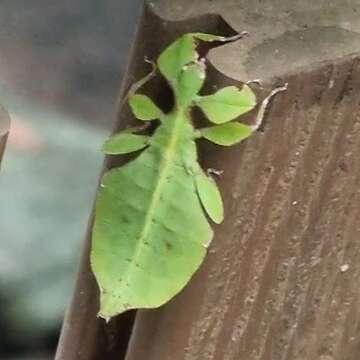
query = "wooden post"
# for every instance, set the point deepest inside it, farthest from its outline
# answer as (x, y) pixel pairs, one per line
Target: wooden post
(282, 277)
(83, 335)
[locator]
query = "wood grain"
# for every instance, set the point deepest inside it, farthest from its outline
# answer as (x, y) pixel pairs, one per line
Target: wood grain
(282, 278)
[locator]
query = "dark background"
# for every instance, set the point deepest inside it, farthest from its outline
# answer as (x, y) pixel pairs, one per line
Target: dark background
(66, 54)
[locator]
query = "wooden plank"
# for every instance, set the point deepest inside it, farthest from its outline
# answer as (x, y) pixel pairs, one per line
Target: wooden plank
(83, 335)
(281, 278)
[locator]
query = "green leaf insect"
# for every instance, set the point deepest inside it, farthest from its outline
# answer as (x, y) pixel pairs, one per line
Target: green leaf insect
(151, 228)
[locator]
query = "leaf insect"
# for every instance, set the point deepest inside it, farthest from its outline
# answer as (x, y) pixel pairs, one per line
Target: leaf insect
(151, 228)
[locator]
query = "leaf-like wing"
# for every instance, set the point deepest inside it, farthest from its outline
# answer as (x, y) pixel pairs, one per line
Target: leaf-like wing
(227, 134)
(124, 143)
(144, 108)
(227, 103)
(210, 196)
(150, 233)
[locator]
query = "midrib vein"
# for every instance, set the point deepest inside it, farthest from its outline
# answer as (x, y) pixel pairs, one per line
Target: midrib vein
(164, 167)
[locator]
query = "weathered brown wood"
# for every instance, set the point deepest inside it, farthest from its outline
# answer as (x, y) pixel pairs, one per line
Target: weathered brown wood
(83, 335)
(4, 130)
(282, 277)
